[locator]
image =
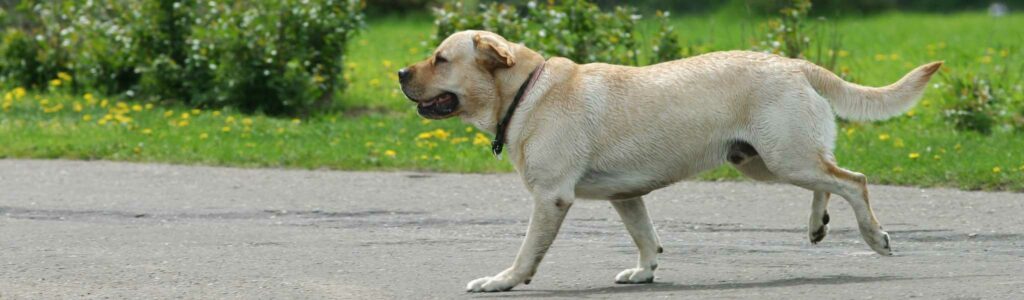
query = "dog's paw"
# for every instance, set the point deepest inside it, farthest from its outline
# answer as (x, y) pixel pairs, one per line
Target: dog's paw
(635, 275)
(816, 236)
(880, 243)
(497, 283)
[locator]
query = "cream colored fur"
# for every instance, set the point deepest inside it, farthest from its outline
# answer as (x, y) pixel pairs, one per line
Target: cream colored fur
(600, 131)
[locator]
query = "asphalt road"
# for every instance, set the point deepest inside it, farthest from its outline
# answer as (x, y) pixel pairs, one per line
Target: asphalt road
(73, 229)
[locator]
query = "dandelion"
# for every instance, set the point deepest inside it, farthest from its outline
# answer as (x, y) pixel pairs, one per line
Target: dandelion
(469, 129)
(1004, 53)
(196, 111)
(386, 63)
(182, 123)
(215, 113)
(883, 137)
(481, 140)
(440, 134)
(459, 140)
(203, 136)
(390, 153)
(87, 118)
(425, 135)
(987, 59)
(168, 114)
(997, 170)
(19, 92)
(104, 103)
(136, 107)
(850, 131)
(225, 129)
(77, 107)
(437, 157)
(63, 76)
(55, 83)
(375, 82)
(247, 121)
(229, 120)
(296, 121)
(149, 106)
(147, 131)
(185, 116)
(911, 113)
(137, 150)
(914, 155)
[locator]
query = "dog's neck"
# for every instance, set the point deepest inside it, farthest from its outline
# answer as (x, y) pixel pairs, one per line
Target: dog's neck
(502, 128)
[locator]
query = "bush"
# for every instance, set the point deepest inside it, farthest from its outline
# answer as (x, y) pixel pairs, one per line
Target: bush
(578, 30)
(793, 35)
(274, 56)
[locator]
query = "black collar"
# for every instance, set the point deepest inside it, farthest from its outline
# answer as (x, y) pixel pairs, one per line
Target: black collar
(499, 136)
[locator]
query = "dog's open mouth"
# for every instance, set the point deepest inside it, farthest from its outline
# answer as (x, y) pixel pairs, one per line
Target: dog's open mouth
(442, 106)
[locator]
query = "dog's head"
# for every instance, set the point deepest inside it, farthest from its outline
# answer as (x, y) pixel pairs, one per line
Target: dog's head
(463, 75)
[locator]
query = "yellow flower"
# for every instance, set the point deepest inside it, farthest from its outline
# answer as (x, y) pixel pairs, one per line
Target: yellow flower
(375, 82)
(898, 143)
(469, 129)
(894, 56)
(147, 131)
(185, 116)
(137, 150)
(19, 92)
(883, 137)
(87, 118)
(63, 76)
(203, 136)
(437, 157)
(55, 82)
(480, 140)
(390, 153)
(459, 140)
(296, 121)
(425, 135)
(216, 113)
(77, 107)
(844, 53)
(440, 134)
(957, 147)
(225, 129)
(911, 113)
(850, 131)
(280, 130)
(104, 103)
(5, 106)
(229, 120)
(914, 155)
(168, 114)
(937, 157)
(997, 170)
(987, 59)
(149, 106)
(137, 107)
(183, 123)
(247, 121)
(196, 111)
(1004, 53)
(386, 63)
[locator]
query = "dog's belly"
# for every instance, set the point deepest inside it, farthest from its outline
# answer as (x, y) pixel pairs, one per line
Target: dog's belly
(618, 185)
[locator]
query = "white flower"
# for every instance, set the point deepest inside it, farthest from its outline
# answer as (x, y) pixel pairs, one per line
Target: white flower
(531, 4)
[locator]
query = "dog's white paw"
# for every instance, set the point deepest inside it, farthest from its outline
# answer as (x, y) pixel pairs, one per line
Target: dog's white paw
(879, 242)
(497, 283)
(635, 275)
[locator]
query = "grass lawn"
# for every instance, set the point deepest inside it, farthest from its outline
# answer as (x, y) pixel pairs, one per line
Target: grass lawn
(378, 128)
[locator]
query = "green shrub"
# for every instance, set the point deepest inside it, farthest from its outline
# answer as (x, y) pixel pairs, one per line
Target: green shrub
(793, 35)
(274, 56)
(578, 30)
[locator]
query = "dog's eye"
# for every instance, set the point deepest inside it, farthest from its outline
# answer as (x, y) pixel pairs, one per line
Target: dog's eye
(438, 59)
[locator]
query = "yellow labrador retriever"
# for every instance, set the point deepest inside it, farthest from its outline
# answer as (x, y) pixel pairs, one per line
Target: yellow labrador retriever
(599, 131)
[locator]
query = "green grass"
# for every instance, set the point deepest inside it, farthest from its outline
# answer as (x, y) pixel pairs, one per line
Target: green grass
(379, 128)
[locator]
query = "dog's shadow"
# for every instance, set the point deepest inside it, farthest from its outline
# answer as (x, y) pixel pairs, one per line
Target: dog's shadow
(676, 287)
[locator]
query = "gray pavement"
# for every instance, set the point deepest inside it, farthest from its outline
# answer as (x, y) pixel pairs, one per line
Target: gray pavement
(71, 229)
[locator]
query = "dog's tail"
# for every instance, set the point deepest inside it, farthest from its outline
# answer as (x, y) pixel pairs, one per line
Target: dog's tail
(860, 103)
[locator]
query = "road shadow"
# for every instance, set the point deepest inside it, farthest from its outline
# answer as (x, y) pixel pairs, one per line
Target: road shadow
(676, 287)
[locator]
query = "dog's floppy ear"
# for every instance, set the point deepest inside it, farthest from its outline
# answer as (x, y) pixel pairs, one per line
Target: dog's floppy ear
(498, 53)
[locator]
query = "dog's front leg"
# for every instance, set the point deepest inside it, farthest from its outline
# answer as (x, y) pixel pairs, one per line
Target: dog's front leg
(548, 214)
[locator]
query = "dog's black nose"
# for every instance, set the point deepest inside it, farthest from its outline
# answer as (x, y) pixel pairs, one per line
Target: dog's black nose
(403, 75)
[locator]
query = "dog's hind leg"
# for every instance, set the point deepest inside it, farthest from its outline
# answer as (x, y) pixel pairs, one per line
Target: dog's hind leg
(818, 228)
(634, 215)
